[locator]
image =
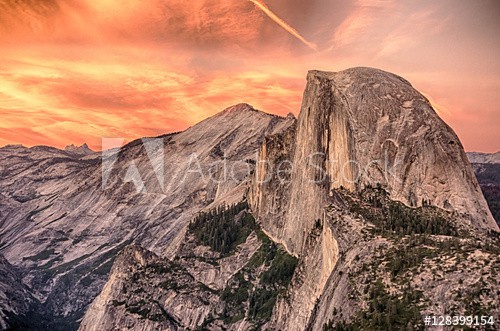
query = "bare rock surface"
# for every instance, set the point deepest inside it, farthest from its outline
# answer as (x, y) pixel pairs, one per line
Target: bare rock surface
(16, 298)
(63, 222)
(79, 150)
(200, 288)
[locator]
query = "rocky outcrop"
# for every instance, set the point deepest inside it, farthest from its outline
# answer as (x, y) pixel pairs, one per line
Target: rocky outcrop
(146, 292)
(16, 298)
(215, 275)
(400, 142)
(78, 150)
(488, 176)
(99, 316)
(361, 127)
(200, 289)
(292, 311)
(438, 271)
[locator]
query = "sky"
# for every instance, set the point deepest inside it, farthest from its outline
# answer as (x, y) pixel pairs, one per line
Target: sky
(75, 71)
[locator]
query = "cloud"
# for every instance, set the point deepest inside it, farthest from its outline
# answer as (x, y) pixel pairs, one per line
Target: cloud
(75, 101)
(361, 20)
(283, 24)
(75, 71)
(207, 23)
(416, 27)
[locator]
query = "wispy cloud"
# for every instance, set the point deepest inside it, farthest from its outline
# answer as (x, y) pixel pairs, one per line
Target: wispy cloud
(416, 27)
(361, 20)
(70, 101)
(283, 24)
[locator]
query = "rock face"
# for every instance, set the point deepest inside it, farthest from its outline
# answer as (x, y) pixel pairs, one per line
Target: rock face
(357, 128)
(16, 298)
(201, 288)
(427, 271)
(362, 127)
(130, 260)
(488, 176)
(64, 216)
(78, 150)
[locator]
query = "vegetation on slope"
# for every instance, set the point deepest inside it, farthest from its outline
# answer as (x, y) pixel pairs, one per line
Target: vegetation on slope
(253, 291)
(395, 218)
(385, 312)
(223, 228)
(422, 250)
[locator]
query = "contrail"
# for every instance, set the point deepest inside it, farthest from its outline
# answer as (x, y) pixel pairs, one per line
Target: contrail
(283, 24)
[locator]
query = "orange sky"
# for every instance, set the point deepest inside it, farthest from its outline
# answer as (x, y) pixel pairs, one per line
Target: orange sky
(77, 71)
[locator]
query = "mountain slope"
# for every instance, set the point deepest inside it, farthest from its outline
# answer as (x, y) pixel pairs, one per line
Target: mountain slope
(16, 298)
(205, 287)
(488, 176)
(370, 253)
(487, 169)
(65, 216)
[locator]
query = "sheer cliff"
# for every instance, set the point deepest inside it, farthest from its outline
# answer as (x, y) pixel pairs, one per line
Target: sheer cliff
(357, 128)
(361, 127)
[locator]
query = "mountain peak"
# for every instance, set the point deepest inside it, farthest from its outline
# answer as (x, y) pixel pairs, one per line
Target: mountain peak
(240, 107)
(240, 111)
(363, 74)
(80, 150)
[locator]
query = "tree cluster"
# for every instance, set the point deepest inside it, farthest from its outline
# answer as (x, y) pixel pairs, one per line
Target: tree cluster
(390, 216)
(223, 228)
(385, 312)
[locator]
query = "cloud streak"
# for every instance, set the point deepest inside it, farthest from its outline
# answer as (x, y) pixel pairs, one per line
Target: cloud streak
(283, 24)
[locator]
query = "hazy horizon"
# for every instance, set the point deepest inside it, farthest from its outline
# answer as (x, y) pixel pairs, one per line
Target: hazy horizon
(121, 144)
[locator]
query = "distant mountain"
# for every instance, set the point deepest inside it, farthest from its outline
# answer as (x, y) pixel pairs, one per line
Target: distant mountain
(79, 150)
(487, 169)
(488, 176)
(476, 157)
(362, 214)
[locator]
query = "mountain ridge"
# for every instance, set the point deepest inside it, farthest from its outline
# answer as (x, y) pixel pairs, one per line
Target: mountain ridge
(62, 226)
(479, 157)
